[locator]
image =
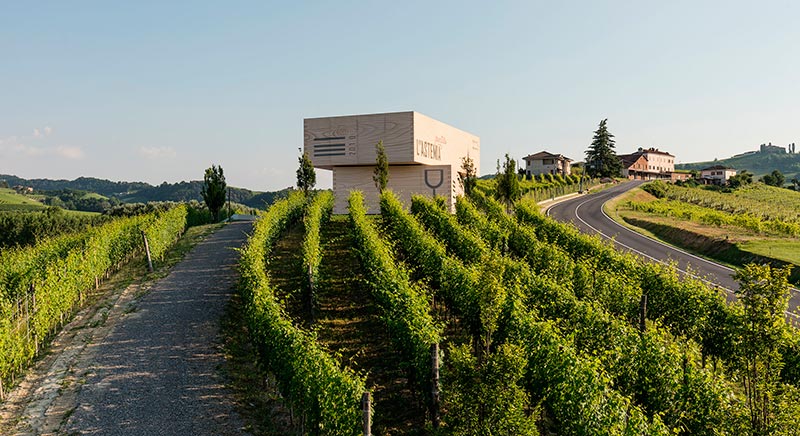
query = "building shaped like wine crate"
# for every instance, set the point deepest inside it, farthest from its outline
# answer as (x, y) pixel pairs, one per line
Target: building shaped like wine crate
(425, 155)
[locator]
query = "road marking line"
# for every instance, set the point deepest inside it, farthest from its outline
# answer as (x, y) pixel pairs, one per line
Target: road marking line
(614, 241)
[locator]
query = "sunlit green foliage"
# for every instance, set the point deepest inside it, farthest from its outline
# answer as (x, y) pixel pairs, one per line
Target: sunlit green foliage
(40, 285)
(323, 395)
(405, 307)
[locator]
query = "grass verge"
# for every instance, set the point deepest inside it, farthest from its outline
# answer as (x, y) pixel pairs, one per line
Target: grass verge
(729, 245)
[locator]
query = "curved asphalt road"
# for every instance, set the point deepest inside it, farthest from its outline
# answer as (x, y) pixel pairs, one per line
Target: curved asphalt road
(586, 212)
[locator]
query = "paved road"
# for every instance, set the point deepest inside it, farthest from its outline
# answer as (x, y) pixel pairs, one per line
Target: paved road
(157, 373)
(586, 212)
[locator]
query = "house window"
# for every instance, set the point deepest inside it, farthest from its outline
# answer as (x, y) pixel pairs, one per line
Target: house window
(548, 161)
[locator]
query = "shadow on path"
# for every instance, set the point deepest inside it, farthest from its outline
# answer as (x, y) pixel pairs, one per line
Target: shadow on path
(157, 372)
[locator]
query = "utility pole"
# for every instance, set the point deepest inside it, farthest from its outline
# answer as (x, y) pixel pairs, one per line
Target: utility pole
(229, 203)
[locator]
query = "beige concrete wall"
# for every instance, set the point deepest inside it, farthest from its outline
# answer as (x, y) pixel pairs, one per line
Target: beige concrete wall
(416, 146)
(351, 140)
(404, 180)
(436, 143)
(409, 137)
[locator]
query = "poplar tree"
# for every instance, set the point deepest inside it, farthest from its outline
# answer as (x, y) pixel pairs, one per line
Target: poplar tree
(381, 174)
(306, 176)
(213, 190)
(601, 160)
(507, 183)
(469, 177)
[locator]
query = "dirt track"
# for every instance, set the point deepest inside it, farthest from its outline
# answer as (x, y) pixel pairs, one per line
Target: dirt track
(141, 366)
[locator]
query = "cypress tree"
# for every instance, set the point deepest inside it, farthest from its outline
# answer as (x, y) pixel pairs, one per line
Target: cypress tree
(306, 176)
(601, 160)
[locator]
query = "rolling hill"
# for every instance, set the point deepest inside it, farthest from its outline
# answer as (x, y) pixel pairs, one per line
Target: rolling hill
(140, 192)
(10, 200)
(757, 163)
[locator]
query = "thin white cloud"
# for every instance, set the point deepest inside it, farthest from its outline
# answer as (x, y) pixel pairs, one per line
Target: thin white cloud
(155, 153)
(69, 152)
(18, 146)
(13, 146)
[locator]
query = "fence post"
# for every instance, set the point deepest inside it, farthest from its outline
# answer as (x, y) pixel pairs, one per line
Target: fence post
(311, 294)
(642, 312)
(366, 411)
(28, 317)
(435, 385)
(30, 313)
(147, 250)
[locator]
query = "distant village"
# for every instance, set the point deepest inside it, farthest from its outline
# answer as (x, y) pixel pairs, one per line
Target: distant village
(646, 164)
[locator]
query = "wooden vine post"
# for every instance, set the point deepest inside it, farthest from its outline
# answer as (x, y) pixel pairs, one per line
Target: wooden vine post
(435, 384)
(366, 411)
(32, 311)
(642, 313)
(311, 293)
(147, 251)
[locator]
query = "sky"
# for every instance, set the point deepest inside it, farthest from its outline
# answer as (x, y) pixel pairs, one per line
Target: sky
(158, 91)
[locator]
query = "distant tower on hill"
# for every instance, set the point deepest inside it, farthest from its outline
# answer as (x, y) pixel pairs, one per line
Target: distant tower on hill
(769, 148)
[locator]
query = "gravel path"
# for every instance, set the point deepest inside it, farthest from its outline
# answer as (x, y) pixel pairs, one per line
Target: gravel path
(157, 373)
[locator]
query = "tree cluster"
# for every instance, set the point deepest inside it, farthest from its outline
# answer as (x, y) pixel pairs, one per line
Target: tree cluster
(775, 178)
(743, 178)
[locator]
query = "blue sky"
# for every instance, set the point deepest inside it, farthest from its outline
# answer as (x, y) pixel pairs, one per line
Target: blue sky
(148, 91)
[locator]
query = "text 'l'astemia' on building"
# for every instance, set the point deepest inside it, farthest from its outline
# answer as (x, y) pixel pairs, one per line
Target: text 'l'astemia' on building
(425, 155)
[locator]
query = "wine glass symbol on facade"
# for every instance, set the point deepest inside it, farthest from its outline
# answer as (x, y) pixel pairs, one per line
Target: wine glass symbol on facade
(434, 179)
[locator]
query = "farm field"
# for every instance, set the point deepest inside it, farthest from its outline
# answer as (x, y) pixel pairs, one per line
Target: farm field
(476, 322)
(754, 223)
(525, 312)
(10, 200)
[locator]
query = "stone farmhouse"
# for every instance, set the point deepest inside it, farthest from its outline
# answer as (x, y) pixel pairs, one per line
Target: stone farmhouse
(716, 175)
(650, 164)
(545, 162)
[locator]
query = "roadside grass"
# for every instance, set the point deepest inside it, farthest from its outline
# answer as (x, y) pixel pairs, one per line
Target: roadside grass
(787, 250)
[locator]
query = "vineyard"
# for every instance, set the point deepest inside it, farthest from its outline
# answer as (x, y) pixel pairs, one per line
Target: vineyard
(500, 323)
(42, 284)
(542, 187)
(757, 207)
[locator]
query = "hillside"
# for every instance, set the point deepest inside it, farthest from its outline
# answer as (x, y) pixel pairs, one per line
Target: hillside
(757, 163)
(140, 192)
(10, 200)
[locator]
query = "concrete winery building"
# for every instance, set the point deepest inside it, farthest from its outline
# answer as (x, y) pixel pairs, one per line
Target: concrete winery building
(425, 155)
